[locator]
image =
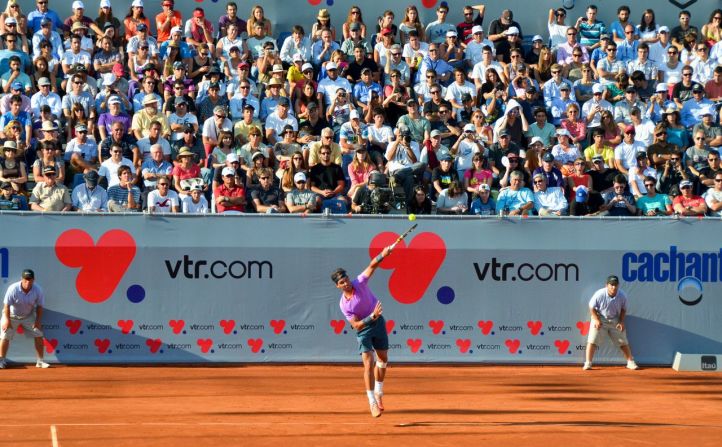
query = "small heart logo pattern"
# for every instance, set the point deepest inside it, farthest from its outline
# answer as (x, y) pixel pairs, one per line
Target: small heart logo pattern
(177, 325)
(485, 326)
(436, 326)
(73, 326)
(126, 326)
(102, 265)
(205, 344)
(414, 266)
(513, 345)
(390, 324)
(50, 344)
(534, 327)
(227, 326)
(102, 344)
(338, 325)
(414, 344)
(278, 325)
(464, 344)
(562, 346)
(583, 327)
(255, 344)
(154, 344)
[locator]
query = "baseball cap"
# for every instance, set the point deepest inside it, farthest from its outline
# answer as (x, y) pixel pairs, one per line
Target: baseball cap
(612, 279)
(6, 185)
(91, 178)
(353, 115)
(355, 27)
(597, 88)
(531, 89)
(46, 21)
(484, 187)
(629, 129)
(377, 178)
(477, 29)
(299, 177)
(81, 127)
(697, 88)
(179, 64)
(640, 155)
(435, 133)
(306, 66)
(28, 274)
(113, 100)
(105, 4)
(10, 21)
(548, 157)
(109, 79)
(535, 140)
(78, 5)
(141, 27)
(684, 183)
(469, 128)
(386, 31)
(630, 89)
(17, 85)
(663, 29)
(331, 66)
(176, 29)
(137, 3)
(445, 157)
(563, 131)
(228, 171)
(451, 33)
(598, 158)
(661, 87)
(564, 86)
(283, 101)
(503, 133)
(232, 157)
(537, 37)
(581, 194)
(511, 31)
(43, 81)
(49, 169)
(257, 155)
(297, 58)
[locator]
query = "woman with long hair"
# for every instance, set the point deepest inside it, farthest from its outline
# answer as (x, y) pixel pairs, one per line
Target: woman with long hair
(78, 116)
(13, 10)
(42, 70)
(676, 132)
(411, 22)
(201, 63)
(612, 133)
(307, 96)
(490, 88)
(354, 16)
(15, 131)
(452, 200)
(712, 30)
(395, 97)
(12, 168)
(135, 17)
(482, 129)
(258, 166)
(255, 144)
(543, 68)
(258, 16)
(105, 15)
(479, 173)
(323, 21)
(648, 29)
(224, 148)
(140, 59)
(48, 157)
(577, 128)
(573, 70)
(359, 170)
(298, 164)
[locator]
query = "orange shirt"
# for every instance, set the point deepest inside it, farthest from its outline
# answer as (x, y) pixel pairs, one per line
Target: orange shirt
(176, 20)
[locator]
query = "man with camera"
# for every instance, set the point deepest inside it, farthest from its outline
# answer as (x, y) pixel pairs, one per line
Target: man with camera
(405, 163)
(674, 172)
(374, 197)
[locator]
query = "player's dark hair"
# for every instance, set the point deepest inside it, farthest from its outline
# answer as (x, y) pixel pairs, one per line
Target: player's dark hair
(338, 275)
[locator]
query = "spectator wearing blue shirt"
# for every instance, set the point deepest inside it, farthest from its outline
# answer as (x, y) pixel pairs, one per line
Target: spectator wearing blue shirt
(627, 48)
(515, 200)
(323, 48)
(43, 12)
(46, 33)
(483, 204)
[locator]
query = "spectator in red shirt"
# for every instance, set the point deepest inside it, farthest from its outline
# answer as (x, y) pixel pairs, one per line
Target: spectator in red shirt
(688, 204)
(230, 197)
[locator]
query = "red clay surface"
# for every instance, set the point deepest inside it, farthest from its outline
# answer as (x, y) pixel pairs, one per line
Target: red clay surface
(326, 405)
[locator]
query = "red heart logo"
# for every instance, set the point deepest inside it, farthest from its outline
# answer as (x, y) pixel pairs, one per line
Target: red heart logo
(513, 345)
(583, 327)
(154, 344)
(278, 325)
(414, 344)
(429, 3)
(73, 326)
(177, 325)
(436, 326)
(338, 325)
(50, 345)
(534, 326)
(414, 267)
(390, 324)
(20, 330)
(255, 344)
(562, 346)
(205, 344)
(228, 325)
(125, 325)
(101, 265)
(485, 326)
(102, 344)
(464, 344)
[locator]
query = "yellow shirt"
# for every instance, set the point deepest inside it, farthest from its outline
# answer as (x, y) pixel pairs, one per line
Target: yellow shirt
(141, 122)
(606, 152)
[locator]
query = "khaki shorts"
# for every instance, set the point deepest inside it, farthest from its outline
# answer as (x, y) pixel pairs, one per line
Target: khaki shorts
(619, 338)
(26, 322)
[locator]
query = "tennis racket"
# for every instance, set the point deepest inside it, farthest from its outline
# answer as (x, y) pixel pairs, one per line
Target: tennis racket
(403, 236)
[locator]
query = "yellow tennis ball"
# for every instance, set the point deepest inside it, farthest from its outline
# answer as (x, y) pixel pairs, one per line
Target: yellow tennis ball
(412, 217)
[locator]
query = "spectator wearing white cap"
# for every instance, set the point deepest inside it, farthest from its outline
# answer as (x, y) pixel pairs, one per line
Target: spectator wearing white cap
(78, 16)
(394, 61)
(46, 97)
(498, 27)
(436, 30)
(475, 46)
(512, 42)
(301, 199)
(195, 202)
(658, 49)
(592, 109)
(688, 203)
(451, 49)
(114, 114)
(176, 39)
(330, 85)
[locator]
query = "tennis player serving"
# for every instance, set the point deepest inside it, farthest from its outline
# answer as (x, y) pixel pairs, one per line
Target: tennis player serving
(363, 310)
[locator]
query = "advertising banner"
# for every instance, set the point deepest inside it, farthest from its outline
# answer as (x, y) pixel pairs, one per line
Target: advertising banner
(190, 289)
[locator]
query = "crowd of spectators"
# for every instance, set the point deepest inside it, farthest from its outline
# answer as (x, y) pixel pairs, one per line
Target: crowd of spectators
(173, 114)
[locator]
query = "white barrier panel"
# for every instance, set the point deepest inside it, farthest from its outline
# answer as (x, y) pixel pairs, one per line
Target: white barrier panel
(133, 288)
(697, 362)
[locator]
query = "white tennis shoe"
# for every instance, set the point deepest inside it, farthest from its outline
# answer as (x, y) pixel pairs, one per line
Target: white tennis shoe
(42, 364)
(375, 411)
(587, 366)
(631, 364)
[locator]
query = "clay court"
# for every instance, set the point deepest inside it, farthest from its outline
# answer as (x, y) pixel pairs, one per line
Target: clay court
(325, 405)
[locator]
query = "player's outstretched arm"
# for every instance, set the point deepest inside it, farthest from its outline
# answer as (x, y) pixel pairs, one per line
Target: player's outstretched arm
(375, 262)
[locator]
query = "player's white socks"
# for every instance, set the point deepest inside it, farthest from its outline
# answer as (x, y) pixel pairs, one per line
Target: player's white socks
(379, 388)
(370, 395)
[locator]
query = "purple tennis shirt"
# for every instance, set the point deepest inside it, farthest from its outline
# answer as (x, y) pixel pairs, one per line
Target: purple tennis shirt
(363, 301)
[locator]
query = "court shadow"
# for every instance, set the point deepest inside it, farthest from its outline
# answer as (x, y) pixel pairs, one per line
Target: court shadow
(654, 342)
